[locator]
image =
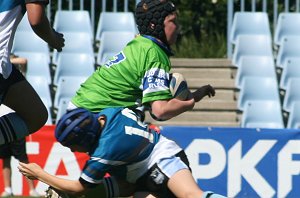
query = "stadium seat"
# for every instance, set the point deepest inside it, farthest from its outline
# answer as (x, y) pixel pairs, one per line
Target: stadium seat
(111, 44)
(291, 70)
(24, 24)
(62, 108)
(292, 94)
(289, 48)
(37, 65)
(259, 66)
(115, 21)
(288, 24)
(251, 45)
(42, 88)
(262, 114)
(73, 21)
(66, 88)
(256, 23)
(257, 88)
(49, 120)
(74, 64)
(294, 116)
(26, 41)
(75, 43)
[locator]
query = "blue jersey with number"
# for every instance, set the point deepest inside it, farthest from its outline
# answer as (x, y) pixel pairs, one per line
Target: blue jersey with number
(126, 148)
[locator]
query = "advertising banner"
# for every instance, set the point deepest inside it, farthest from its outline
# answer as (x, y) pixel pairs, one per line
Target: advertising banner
(235, 162)
(240, 162)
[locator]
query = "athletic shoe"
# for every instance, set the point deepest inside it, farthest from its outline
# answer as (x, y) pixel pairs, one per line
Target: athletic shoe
(33, 193)
(6, 194)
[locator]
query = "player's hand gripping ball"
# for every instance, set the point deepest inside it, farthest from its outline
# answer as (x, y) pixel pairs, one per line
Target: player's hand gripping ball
(178, 86)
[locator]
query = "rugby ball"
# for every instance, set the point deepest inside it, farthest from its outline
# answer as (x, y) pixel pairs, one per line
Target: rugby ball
(178, 86)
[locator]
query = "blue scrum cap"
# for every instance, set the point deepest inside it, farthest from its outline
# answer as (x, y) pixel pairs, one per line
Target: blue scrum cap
(69, 132)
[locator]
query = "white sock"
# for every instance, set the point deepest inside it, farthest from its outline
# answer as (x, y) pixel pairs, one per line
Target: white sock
(8, 190)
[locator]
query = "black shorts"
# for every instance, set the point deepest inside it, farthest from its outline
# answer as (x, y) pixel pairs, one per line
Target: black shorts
(13, 78)
(146, 183)
(16, 149)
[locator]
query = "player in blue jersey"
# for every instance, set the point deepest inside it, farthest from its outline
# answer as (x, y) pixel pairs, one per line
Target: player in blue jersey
(119, 144)
(15, 92)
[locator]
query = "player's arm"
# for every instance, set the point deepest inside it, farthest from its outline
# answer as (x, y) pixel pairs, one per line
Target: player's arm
(34, 171)
(167, 109)
(41, 26)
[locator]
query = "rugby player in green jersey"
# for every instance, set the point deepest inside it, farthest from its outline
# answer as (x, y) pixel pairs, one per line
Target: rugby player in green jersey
(139, 74)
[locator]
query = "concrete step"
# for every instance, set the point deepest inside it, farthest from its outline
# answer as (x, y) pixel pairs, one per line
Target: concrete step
(204, 72)
(216, 105)
(215, 82)
(221, 94)
(204, 63)
(198, 123)
(200, 116)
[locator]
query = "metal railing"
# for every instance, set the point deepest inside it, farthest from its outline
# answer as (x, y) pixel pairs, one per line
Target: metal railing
(258, 6)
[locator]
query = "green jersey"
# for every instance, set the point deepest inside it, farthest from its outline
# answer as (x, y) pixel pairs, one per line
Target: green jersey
(137, 75)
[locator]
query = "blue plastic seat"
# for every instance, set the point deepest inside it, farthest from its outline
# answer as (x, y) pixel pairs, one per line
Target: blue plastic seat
(28, 41)
(291, 70)
(74, 65)
(292, 94)
(288, 24)
(62, 108)
(251, 45)
(49, 120)
(42, 88)
(24, 24)
(262, 114)
(259, 66)
(37, 65)
(257, 88)
(75, 43)
(66, 88)
(256, 23)
(294, 116)
(115, 21)
(73, 21)
(289, 48)
(111, 44)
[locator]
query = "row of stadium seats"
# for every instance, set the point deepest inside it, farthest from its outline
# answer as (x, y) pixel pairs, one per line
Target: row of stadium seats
(268, 69)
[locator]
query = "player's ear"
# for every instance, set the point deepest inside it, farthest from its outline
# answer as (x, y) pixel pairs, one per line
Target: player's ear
(102, 120)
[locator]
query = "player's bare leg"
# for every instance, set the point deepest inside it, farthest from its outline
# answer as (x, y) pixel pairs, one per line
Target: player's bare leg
(23, 99)
(182, 184)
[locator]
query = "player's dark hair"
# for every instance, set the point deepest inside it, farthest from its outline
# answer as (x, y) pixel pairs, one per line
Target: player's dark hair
(153, 12)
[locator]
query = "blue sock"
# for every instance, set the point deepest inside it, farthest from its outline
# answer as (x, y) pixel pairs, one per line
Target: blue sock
(12, 127)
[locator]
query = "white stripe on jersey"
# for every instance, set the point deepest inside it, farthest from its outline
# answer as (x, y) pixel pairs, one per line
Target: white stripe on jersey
(109, 162)
(9, 21)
